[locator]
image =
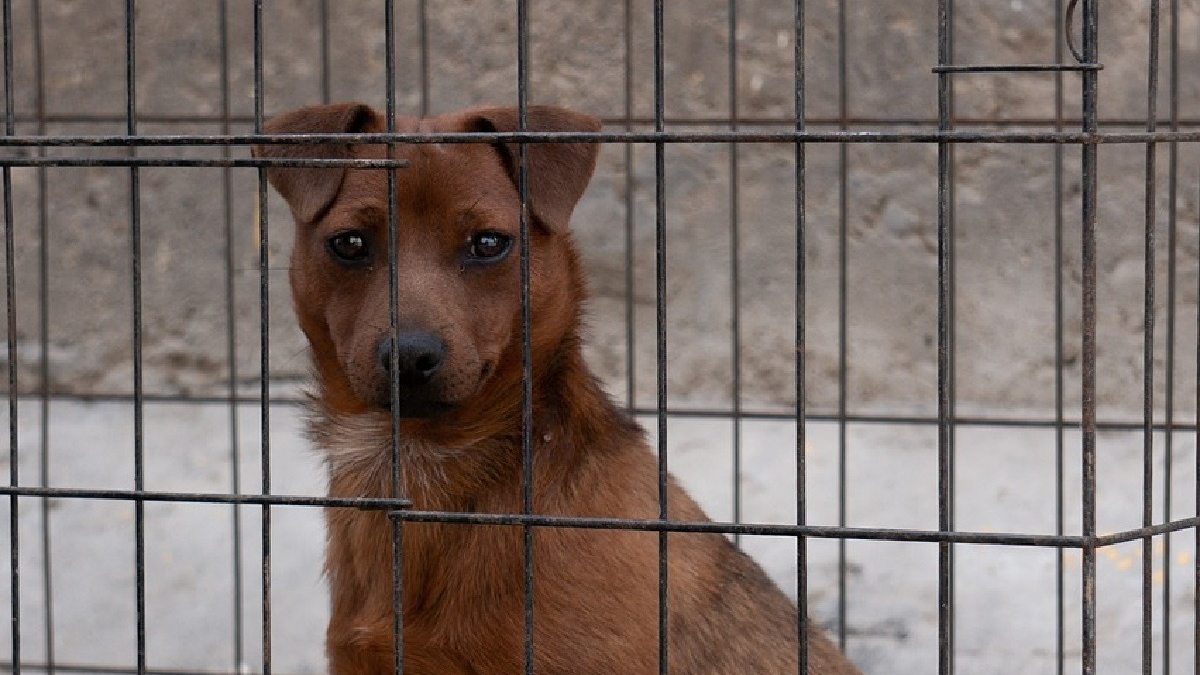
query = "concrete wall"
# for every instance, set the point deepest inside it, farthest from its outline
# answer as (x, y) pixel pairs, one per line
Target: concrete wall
(1005, 194)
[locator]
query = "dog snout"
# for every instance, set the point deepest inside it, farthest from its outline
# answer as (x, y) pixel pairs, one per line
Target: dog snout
(419, 356)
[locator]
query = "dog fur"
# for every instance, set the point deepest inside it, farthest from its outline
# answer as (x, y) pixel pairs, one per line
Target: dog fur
(595, 592)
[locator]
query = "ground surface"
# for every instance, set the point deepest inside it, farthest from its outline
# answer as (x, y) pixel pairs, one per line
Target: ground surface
(1005, 604)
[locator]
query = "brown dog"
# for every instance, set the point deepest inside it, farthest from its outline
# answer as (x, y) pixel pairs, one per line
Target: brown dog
(595, 592)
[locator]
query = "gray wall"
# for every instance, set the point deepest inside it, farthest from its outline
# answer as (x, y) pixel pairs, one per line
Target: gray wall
(1005, 198)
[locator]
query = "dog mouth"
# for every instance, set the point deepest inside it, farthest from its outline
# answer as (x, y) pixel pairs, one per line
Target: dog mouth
(428, 400)
(417, 407)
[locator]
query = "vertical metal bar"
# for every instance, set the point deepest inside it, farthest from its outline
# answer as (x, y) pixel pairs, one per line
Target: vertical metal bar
(660, 293)
(1169, 367)
(389, 49)
(630, 222)
(735, 308)
(1170, 351)
(945, 341)
(843, 303)
(10, 277)
(801, 347)
(326, 61)
(393, 238)
(1148, 320)
(1059, 385)
(43, 356)
(526, 353)
(950, 375)
(264, 309)
(1090, 93)
(1196, 502)
(135, 231)
(397, 592)
(423, 38)
(39, 77)
(235, 454)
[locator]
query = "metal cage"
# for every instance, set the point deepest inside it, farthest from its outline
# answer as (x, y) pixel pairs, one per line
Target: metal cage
(46, 135)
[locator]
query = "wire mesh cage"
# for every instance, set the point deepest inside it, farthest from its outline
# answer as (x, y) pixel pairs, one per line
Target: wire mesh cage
(957, 241)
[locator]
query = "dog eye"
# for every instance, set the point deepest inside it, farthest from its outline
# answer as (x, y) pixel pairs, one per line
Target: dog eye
(349, 247)
(489, 246)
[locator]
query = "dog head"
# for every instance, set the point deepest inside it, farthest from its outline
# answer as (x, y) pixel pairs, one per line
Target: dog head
(457, 214)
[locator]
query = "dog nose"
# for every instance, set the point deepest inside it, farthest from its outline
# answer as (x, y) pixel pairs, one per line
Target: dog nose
(420, 355)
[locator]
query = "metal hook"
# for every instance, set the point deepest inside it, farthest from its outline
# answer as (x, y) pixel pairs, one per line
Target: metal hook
(1068, 21)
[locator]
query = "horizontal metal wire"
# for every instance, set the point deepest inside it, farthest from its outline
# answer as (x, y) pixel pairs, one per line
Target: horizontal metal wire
(363, 503)
(397, 508)
(849, 121)
(727, 414)
(224, 162)
(909, 420)
(96, 669)
(642, 137)
(1018, 68)
(1147, 532)
(780, 530)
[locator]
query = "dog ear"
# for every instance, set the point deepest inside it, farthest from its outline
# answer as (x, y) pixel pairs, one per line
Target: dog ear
(309, 191)
(558, 173)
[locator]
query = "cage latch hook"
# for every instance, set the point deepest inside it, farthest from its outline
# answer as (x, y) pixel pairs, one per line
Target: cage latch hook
(1068, 22)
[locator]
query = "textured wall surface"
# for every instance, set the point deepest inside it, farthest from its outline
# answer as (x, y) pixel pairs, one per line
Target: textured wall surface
(1005, 225)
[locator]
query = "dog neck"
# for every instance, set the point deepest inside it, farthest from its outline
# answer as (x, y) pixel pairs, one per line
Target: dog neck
(463, 464)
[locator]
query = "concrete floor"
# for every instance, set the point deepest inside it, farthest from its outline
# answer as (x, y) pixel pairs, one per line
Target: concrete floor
(1005, 604)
